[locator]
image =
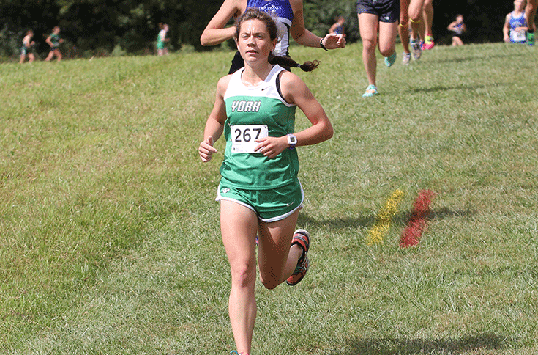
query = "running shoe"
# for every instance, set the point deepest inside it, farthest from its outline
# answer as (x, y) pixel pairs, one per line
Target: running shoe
(406, 58)
(371, 90)
(530, 38)
(429, 44)
(417, 50)
(301, 238)
(390, 59)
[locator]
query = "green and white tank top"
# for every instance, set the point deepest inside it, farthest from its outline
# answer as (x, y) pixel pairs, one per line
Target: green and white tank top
(55, 40)
(254, 112)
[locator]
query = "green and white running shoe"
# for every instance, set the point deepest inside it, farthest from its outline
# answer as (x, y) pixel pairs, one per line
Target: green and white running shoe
(371, 90)
(390, 59)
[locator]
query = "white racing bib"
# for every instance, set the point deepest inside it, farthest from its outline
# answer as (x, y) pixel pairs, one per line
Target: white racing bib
(244, 137)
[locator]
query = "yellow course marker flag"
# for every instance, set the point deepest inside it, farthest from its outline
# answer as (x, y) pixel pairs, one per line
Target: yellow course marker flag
(383, 219)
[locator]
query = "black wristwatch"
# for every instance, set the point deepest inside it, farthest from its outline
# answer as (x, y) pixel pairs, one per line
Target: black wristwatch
(321, 44)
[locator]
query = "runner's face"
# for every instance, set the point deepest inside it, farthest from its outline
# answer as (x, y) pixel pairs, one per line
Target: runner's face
(254, 42)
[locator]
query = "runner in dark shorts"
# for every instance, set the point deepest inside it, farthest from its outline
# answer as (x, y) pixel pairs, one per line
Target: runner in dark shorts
(378, 26)
(387, 11)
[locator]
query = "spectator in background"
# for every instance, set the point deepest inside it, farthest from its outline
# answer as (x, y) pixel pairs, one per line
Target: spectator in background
(515, 25)
(161, 39)
(27, 47)
(458, 27)
(530, 12)
(338, 26)
(54, 40)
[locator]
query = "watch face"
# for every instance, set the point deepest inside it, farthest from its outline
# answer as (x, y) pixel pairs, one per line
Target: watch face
(292, 139)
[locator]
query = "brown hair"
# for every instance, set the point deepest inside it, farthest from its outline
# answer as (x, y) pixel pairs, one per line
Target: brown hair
(285, 61)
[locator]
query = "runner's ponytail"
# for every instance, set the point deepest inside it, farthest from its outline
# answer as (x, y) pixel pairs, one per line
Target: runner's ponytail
(288, 62)
(284, 61)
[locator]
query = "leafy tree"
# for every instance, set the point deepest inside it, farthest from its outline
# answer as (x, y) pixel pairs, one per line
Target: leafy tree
(17, 16)
(133, 25)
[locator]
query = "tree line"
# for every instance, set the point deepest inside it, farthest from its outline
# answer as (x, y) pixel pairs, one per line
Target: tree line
(131, 26)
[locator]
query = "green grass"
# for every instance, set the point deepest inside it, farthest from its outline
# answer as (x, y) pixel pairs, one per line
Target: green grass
(109, 233)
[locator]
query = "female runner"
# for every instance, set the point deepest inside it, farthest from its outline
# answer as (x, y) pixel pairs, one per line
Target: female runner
(378, 26)
(259, 191)
(289, 20)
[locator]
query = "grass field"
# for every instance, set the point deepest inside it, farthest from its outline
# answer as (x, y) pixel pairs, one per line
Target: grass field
(109, 233)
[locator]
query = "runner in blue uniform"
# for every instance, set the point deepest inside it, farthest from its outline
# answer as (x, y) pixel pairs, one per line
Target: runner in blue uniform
(515, 25)
(259, 191)
(338, 26)
(458, 27)
(289, 19)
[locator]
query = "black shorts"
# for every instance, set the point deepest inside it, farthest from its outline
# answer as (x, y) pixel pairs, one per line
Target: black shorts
(26, 51)
(386, 10)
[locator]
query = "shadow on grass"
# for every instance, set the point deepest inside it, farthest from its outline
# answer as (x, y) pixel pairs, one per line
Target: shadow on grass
(443, 213)
(476, 57)
(455, 87)
(446, 88)
(363, 221)
(401, 346)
